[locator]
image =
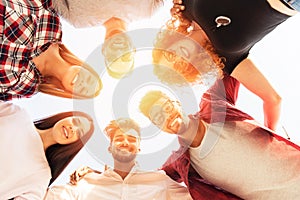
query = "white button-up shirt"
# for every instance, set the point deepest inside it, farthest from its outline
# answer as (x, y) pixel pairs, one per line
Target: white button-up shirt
(138, 185)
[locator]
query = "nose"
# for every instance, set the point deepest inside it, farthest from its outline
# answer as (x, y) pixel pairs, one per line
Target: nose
(73, 130)
(125, 142)
(87, 84)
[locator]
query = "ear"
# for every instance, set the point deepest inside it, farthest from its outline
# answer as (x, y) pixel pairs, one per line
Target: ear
(109, 149)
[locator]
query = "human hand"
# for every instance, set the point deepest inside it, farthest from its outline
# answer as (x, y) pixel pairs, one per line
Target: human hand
(78, 174)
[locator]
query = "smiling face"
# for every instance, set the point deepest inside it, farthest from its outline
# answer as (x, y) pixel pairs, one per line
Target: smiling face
(177, 61)
(80, 81)
(125, 145)
(118, 46)
(119, 55)
(167, 115)
(70, 129)
(182, 60)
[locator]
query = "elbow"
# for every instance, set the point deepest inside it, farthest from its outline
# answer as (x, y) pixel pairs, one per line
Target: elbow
(274, 100)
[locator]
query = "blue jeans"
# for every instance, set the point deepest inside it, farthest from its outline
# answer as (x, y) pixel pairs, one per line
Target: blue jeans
(294, 3)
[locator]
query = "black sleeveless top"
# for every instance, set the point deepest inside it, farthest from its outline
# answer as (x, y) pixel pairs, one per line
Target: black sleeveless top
(250, 22)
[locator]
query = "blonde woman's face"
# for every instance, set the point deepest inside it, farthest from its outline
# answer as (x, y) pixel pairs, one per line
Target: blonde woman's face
(70, 129)
(80, 81)
(118, 46)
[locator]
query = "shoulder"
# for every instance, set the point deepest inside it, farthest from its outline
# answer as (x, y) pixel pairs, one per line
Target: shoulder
(62, 192)
(96, 12)
(8, 108)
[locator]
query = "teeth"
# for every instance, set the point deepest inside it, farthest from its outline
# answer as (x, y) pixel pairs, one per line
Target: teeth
(75, 79)
(66, 132)
(173, 122)
(176, 119)
(179, 120)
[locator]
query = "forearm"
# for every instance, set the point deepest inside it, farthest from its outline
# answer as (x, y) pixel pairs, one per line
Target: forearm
(247, 73)
(272, 110)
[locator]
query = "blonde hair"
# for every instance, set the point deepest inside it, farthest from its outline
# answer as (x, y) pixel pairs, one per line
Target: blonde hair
(53, 86)
(149, 99)
(119, 75)
(122, 124)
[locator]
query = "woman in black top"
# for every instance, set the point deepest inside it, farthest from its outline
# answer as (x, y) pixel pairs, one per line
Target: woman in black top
(233, 28)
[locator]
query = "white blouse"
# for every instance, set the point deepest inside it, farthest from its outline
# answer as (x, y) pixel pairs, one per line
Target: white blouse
(24, 173)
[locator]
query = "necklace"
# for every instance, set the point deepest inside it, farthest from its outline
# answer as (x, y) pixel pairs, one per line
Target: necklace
(222, 21)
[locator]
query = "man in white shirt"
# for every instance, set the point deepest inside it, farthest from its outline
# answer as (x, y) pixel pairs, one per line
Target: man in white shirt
(125, 180)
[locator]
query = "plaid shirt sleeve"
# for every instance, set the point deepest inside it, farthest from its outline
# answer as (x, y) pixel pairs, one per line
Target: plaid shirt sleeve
(18, 78)
(27, 29)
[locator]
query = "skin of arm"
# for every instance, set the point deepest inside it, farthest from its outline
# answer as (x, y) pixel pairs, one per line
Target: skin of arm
(248, 75)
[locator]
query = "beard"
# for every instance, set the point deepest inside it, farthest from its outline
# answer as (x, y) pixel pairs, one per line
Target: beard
(123, 156)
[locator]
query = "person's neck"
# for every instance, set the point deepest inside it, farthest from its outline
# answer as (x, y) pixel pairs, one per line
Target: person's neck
(114, 26)
(50, 63)
(198, 34)
(123, 169)
(194, 133)
(46, 138)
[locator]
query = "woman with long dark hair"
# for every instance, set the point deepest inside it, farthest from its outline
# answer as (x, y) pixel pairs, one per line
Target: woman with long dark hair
(33, 154)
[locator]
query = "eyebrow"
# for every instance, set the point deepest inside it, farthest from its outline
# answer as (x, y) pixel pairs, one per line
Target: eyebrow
(80, 133)
(132, 137)
(129, 136)
(76, 121)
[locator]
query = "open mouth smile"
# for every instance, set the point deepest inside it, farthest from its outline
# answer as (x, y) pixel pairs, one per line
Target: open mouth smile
(65, 132)
(174, 123)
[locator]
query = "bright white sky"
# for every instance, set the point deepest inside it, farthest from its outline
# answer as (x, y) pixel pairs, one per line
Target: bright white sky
(277, 56)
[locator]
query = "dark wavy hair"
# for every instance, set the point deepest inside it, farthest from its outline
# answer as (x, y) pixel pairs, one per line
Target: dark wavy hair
(59, 155)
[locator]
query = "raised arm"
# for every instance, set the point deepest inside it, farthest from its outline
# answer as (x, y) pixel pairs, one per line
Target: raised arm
(248, 75)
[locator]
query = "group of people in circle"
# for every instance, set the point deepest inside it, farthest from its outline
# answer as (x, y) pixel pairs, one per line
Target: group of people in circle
(224, 152)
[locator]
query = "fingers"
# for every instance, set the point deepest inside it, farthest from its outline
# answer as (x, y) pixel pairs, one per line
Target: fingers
(177, 1)
(78, 174)
(177, 8)
(74, 178)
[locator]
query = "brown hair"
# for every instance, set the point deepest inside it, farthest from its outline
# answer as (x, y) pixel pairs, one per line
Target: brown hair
(53, 86)
(58, 155)
(123, 124)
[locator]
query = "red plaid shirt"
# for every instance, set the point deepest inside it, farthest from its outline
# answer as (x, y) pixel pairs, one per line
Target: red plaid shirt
(27, 28)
